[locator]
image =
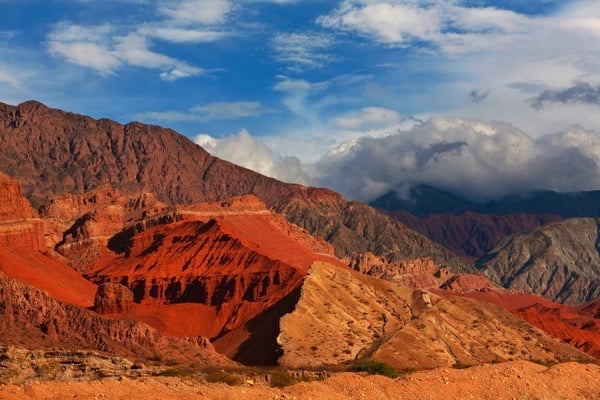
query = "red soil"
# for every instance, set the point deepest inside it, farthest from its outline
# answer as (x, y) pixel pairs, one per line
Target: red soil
(47, 274)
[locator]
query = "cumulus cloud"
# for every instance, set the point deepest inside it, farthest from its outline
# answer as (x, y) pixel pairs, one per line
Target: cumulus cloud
(580, 92)
(243, 149)
(302, 51)
(470, 158)
(209, 112)
(474, 159)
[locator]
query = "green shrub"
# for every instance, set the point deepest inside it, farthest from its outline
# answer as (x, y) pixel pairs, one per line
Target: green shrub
(374, 368)
(282, 379)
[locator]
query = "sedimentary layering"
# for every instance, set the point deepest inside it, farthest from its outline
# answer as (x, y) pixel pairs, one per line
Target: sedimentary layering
(34, 320)
(54, 153)
(19, 224)
(559, 261)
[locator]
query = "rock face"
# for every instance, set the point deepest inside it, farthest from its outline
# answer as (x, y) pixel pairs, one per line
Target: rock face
(113, 298)
(54, 153)
(19, 224)
(342, 315)
(559, 261)
(34, 320)
(79, 227)
(471, 235)
(231, 260)
(417, 273)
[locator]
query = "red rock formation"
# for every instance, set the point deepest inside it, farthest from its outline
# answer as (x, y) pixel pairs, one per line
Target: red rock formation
(239, 262)
(19, 225)
(33, 319)
(53, 153)
(113, 298)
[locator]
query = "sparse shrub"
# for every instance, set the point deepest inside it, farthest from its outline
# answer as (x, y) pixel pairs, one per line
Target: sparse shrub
(222, 376)
(314, 348)
(374, 368)
(282, 379)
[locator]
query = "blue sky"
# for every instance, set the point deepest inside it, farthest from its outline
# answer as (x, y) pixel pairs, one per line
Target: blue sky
(288, 87)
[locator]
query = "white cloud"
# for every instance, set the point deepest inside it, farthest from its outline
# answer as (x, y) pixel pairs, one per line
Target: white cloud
(208, 12)
(388, 22)
(10, 77)
(176, 34)
(244, 150)
(87, 54)
(86, 46)
(471, 158)
(302, 51)
(447, 25)
(368, 117)
(229, 110)
(102, 49)
(479, 160)
(210, 112)
(133, 49)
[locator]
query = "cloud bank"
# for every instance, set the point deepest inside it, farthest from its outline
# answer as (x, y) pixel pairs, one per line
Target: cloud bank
(477, 160)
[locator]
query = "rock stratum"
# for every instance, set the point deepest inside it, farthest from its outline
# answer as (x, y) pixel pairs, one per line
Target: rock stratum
(52, 153)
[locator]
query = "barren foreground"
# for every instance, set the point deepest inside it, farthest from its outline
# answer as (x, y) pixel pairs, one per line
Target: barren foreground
(513, 380)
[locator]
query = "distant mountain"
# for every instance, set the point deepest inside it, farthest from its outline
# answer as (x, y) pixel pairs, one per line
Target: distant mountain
(52, 152)
(560, 261)
(423, 200)
(471, 235)
(472, 229)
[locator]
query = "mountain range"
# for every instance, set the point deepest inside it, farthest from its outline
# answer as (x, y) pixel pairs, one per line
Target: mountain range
(133, 241)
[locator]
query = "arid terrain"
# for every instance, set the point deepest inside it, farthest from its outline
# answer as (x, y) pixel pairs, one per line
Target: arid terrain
(133, 264)
(507, 381)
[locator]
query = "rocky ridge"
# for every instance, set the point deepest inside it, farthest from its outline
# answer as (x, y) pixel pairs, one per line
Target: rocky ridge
(56, 153)
(559, 261)
(342, 315)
